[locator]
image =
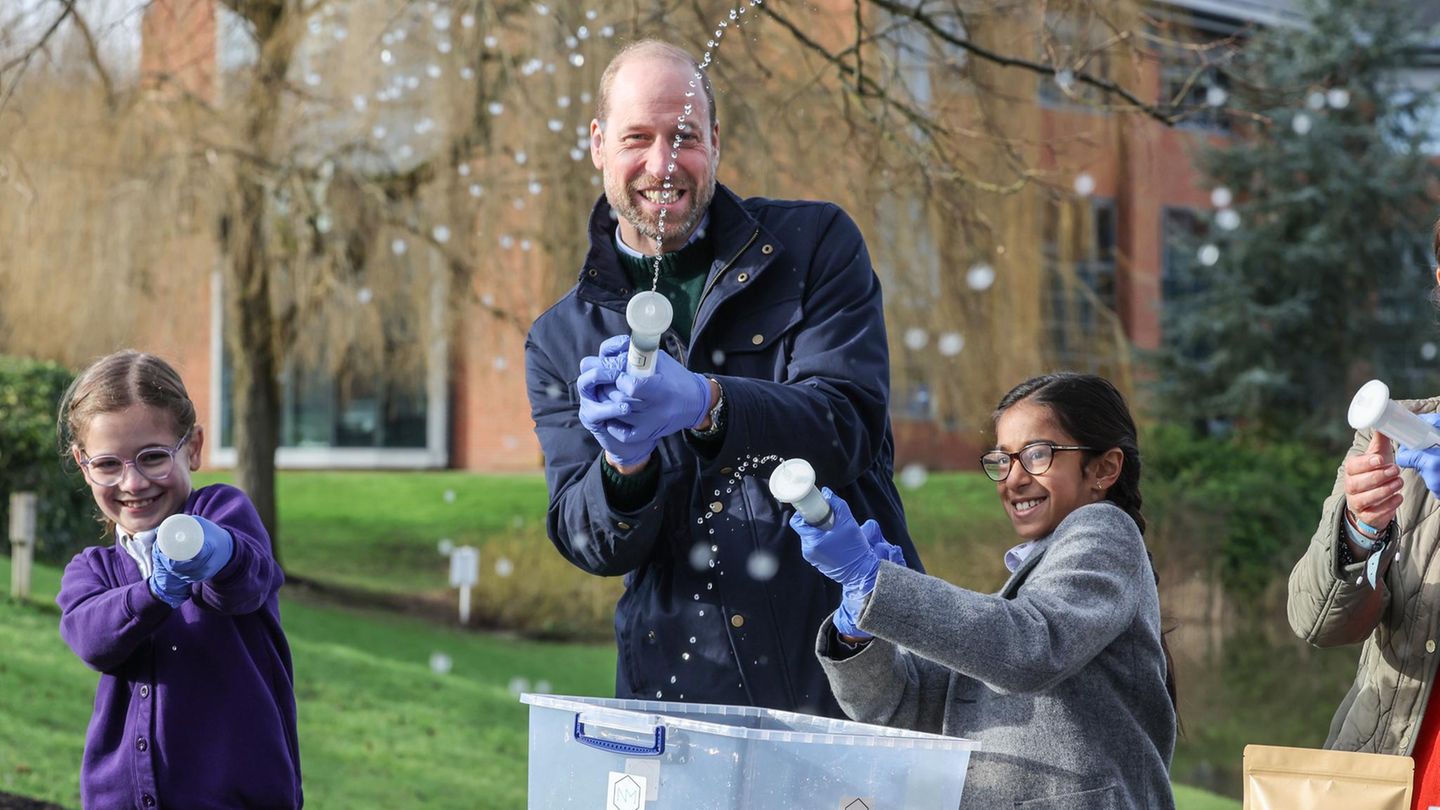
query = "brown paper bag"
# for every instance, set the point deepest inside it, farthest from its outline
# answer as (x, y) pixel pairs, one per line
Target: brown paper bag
(1279, 778)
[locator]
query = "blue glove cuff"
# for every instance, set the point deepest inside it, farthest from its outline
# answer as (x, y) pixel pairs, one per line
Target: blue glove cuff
(173, 600)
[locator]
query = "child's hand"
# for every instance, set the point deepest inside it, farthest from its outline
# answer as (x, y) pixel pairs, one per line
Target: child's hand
(167, 586)
(214, 553)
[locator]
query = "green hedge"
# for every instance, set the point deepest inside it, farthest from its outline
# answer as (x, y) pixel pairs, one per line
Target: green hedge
(30, 460)
(1247, 506)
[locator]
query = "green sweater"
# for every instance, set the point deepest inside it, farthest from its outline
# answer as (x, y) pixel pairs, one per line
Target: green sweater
(683, 274)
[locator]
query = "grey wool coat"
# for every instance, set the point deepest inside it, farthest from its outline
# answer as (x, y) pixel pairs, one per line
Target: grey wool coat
(1060, 676)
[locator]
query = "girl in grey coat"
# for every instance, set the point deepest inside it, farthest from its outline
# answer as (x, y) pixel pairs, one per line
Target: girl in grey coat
(1062, 676)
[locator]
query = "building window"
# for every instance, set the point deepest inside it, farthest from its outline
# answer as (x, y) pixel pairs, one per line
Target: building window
(345, 418)
(1080, 261)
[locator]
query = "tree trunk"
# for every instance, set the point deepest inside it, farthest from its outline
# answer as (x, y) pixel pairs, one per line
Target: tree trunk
(249, 332)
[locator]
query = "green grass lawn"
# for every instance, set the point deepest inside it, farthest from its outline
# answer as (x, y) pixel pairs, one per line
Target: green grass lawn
(378, 728)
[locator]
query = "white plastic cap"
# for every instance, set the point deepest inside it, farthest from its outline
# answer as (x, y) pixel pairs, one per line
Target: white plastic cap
(1369, 404)
(180, 537)
(1372, 407)
(649, 313)
(792, 480)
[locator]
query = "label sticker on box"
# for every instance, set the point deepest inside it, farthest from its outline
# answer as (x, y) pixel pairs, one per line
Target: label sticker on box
(626, 792)
(649, 769)
(857, 803)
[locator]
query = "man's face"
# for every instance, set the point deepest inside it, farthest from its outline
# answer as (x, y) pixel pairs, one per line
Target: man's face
(633, 149)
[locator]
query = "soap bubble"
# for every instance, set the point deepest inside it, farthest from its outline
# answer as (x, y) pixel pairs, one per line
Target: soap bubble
(951, 343)
(1209, 255)
(503, 567)
(1084, 184)
(916, 338)
(1220, 197)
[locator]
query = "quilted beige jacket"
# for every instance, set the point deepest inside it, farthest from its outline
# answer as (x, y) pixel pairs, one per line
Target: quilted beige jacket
(1398, 622)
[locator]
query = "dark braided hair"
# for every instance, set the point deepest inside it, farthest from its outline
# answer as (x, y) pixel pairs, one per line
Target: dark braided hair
(1093, 411)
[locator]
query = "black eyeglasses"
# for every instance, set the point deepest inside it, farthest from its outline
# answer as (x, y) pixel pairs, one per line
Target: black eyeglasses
(1036, 458)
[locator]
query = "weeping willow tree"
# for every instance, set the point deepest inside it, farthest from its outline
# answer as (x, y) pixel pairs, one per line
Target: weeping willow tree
(369, 180)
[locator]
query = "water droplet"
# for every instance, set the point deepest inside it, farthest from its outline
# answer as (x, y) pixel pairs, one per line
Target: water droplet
(1428, 351)
(1065, 80)
(521, 157)
(708, 586)
(467, 20)
(699, 556)
(542, 686)
(1315, 100)
(692, 638)
(672, 679)
(697, 597)
(399, 247)
(444, 46)
(441, 234)
(476, 189)
(1220, 197)
(702, 613)
(535, 187)
(1209, 255)
(387, 57)
(1227, 219)
(445, 546)
(916, 338)
(491, 41)
(577, 60)
(518, 685)
(1301, 123)
(1084, 184)
(762, 565)
(1338, 98)
(951, 343)
(467, 73)
(495, 108)
(659, 694)
(439, 663)
(503, 567)
(913, 476)
(684, 656)
(980, 276)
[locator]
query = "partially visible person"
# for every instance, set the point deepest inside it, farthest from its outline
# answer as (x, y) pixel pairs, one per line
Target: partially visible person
(777, 348)
(195, 708)
(1062, 676)
(1368, 577)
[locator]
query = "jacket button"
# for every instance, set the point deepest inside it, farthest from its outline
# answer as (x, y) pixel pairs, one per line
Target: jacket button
(743, 277)
(758, 339)
(141, 745)
(622, 525)
(593, 272)
(144, 690)
(767, 249)
(718, 507)
(1430, 646)
(737, 620)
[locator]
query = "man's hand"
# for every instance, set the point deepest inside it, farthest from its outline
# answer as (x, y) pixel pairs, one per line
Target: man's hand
(668, 401)
(602, 406)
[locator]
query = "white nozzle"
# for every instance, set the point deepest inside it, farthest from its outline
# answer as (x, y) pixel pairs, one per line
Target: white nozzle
(1372, 407)
(649, 314)
(793, 482)
(180, 537)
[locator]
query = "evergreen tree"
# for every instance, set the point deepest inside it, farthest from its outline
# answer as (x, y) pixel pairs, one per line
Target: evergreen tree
(1315, 277)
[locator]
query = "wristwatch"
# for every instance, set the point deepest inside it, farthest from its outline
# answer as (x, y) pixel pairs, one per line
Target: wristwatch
(716, 413)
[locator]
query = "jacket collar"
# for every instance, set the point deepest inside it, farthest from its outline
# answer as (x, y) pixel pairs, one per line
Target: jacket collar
(603, 279)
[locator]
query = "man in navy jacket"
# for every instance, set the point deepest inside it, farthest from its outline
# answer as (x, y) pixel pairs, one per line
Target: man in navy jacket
(777, 349)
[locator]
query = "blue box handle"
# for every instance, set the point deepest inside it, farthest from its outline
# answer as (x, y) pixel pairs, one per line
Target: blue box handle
(616, 747)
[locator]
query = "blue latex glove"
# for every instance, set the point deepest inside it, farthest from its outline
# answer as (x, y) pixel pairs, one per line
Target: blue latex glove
(849, 554)
(167, 586)
(1426, 461)
(670, 400)
(214, 553)
(601, 404)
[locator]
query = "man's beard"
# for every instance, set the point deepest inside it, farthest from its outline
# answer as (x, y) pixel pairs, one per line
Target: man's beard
(650, 228)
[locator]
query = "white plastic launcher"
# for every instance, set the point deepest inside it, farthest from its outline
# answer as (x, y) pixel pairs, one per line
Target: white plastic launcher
(793, 482)
(1372, 407)
(649, 314)
(180, 537)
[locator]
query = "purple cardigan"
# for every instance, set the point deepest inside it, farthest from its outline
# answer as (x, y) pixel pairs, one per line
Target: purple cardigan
(196, 705)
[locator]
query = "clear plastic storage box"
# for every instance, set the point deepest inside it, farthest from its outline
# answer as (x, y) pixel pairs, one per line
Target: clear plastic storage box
(605, 754)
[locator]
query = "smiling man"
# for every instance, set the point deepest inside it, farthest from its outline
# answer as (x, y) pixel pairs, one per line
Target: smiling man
(777, 348)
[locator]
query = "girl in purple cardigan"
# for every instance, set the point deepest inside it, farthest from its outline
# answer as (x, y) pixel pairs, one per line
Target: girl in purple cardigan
(195, 707)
